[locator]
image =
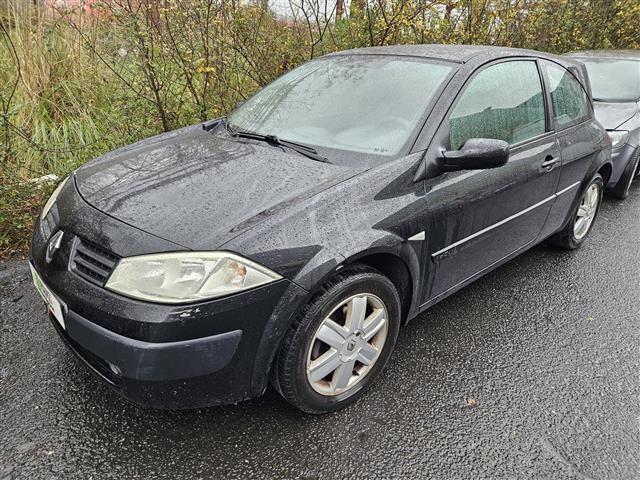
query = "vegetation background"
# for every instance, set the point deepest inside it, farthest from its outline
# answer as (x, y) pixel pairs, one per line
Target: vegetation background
(82, 77)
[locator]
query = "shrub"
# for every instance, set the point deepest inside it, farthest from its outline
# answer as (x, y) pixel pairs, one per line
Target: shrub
(77, 82)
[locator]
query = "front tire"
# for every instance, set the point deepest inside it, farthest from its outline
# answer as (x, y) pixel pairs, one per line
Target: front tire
(340, 341)
(574, 234)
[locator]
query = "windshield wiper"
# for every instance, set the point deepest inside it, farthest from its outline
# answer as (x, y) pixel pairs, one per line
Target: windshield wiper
(302, 149)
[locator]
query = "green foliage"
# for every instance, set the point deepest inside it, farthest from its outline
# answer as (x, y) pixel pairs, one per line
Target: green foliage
(76, 83)
(20, 203)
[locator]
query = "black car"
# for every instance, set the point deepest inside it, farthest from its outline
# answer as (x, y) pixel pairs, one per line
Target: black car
(615, 83)
(288, 242)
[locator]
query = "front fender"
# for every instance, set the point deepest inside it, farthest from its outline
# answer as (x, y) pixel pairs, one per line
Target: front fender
(324, 265)
(408, 252)
(371, 213)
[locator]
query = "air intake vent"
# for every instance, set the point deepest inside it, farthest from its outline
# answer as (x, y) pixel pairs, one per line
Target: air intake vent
(92, 262)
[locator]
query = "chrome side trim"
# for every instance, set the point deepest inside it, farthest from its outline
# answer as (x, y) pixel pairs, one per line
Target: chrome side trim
(565, 190)
(502, 222)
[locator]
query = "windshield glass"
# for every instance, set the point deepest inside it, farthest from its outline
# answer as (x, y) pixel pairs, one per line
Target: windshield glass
(365, 104)
(614, 80)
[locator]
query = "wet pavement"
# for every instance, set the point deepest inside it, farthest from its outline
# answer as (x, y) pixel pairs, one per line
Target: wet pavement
(531, 372)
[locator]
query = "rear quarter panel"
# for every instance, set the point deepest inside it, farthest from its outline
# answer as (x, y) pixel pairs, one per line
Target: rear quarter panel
(585, 149)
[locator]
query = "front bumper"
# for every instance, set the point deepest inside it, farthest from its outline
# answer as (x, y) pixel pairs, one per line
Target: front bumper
(198, 372)
(168, 375)
(620, 157)
(161, 356)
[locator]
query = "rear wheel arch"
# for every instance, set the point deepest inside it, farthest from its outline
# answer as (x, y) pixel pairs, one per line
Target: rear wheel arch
(566, 238)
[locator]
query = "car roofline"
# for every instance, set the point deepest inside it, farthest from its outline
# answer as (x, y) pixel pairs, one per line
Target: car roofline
(445, 53)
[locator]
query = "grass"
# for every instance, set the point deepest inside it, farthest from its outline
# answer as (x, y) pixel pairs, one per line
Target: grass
(60, 107)
(76, 85)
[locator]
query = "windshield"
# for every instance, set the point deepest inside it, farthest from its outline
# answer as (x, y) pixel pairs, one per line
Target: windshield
(364, 104)
(614, 80)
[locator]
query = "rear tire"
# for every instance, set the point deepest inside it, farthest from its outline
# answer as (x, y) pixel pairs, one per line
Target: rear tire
(352, 321)
(621, 190)
(576, 231)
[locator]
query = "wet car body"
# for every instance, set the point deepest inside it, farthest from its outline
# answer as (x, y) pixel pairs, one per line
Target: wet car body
(195, 190)
(617, 114)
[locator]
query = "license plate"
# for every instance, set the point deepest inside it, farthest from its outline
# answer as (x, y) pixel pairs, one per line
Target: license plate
(55, 306)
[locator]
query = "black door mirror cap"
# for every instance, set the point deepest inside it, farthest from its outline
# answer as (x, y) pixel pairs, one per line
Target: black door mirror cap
(477, 154)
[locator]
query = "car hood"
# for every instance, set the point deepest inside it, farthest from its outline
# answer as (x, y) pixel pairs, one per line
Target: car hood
(199, 190)
(612, 115)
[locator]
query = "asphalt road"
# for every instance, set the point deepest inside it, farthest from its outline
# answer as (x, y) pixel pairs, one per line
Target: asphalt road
(532, 372)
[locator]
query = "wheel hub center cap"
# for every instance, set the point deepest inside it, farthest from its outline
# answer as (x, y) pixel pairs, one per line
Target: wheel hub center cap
(352, 346)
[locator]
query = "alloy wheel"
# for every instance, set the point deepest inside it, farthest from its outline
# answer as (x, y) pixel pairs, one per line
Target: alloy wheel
(586, 211)
(347, 344)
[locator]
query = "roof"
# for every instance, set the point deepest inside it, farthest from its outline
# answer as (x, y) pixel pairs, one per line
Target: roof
(605, 54)
(452, 53)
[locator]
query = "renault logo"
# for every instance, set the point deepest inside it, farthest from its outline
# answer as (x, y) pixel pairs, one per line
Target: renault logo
(54, 245)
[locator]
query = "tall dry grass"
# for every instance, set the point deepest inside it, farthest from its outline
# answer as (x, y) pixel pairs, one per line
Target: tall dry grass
(75, 84)
(58, 108)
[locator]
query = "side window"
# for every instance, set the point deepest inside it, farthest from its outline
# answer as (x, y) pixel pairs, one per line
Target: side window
(569, 100)
(503, 101)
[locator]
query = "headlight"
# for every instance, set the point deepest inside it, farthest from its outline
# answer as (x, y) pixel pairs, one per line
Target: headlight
(52, 198)
(618, 137)
(186, 276)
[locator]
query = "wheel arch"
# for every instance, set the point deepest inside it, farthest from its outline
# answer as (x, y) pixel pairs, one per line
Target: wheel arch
(399, 265)
(396, 259)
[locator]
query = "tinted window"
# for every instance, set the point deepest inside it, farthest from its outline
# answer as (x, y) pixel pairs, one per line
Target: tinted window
(614, 80)
(569, 100)
(503, 101)
(368, 104)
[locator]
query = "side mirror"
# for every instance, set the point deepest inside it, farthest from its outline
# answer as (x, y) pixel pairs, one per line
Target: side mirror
(477, 154)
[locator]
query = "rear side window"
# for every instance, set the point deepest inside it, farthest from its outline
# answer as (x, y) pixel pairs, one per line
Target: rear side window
(569, 100)
(503, 101)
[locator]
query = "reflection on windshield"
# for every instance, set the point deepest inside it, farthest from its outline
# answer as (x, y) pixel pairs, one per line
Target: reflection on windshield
(366, 104)
(613, 79)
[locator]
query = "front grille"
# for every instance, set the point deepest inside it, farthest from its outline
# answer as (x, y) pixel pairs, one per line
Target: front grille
(92, 262)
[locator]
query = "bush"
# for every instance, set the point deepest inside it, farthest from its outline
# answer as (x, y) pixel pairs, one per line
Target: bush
(78, 82)
(20, 203)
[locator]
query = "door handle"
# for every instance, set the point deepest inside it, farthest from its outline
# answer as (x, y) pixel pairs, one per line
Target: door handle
(550, 162)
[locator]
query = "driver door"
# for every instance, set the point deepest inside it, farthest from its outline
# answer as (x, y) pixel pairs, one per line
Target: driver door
(479, 217)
